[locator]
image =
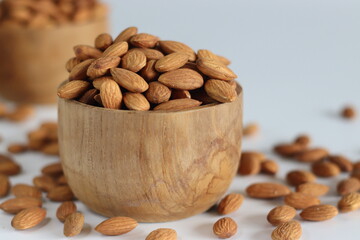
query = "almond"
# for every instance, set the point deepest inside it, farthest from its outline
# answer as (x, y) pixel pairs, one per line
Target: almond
(250, 164)
(203, 53)
(17, 148)
(88, 97)
(178, 94)
(225, 228)
(99, 81)
(148, 72)
(172, 46)
(79, 71)
(185, 79)
(71, 63)
(111, 95)
(44, 183)
(60, 194)
(342, 162)
(65, 209)
(281, 214)
(289, 149)
(171, 62)
(348, 186)
(24, 190)
(126, 34)
(325, 169)
(313, 189)
(52, 170)
(220, 90)
(28, 218)
(15, 205)
(84, 52)
(144, 40)
(103, 41)
(269, 167)
(101, 66)
(319, 213)
(73, 89)
(73, 224)
(61, 180)
(134, 60)
(118, 49)
(151, 54)
(312, 155)
(200, 95)
(51, 149)
(8, 167)
(157, 93)
(287, 231)
(129, 80)
(178, 104)
(4, 185)
(136, 101)
(301, 201)
(349, 202)
(116, 226)
(267, 190)
(215, 69)
(251, 129)
(230, 203)
(162, 234)
(298, 177)
(348, 112)
(304, 140)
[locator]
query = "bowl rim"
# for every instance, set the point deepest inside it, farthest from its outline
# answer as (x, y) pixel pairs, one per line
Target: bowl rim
(239, 91)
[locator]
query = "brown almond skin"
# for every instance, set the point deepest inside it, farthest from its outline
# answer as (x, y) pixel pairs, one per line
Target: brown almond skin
(312, 155)
(129, 80)
(215, 69)
(251, 129)
(118, 49)
(269, 167)
(349, 202)
(149, 72)
(71, 63)
(319, 213)
(287, 231)
(301, 201)
(348, 186)
(171, 62)
(157, 93)
(101, 66)
(126, 34)
(88, 97)
(28, 218)
(289, 149)
(16, 205)
(73, 89)
(79, 72)
(348, 112)
(184, 79)
(178, 94)
(116, 226)
(103, 41)
(52, 170)
(144, 40)
(136, 101)
(111, 96)
(151, 54)
(313, 189)
(230, 203)
(24, 190)
(281, 214)
(203, 53)
(17, 148)
(304, 140)
(169, 47)
(65, 209)
(250, 164)
(60, 194)
(342, 162)
(4, 185)
(162, 234)
(73, 224)
(298, 177)
(134, 60)
(325, 169)
(220, 90)
(84, 52)
(267, 190)
(177, 105)
(225, 228)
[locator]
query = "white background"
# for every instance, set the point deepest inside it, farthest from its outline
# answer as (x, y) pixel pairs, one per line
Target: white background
(298, 62)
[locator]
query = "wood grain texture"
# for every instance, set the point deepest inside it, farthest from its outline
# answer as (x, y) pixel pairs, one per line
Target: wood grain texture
(151, 166)
(32, 61)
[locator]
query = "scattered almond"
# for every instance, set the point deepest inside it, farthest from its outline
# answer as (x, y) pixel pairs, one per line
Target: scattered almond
(116, 226)
(269, 167)
(325, 169)
(162, 234)
(319, 213)
(281, 214)
(348, 186)
(251, 129)
(4, 185)
(225, 228)
(17, 148)
(303, 140)
(289, 149)
(73, 224)
(349, 202)
(52, 170)
(65, 209)
(8, 166)
(60, 194)
(342, 162)
(44, 183)
(287, 231)
(267, 190)
(312, 155)
(313, 189)
(301, 201)
(298, 177)
(250, 163)
(24, 190)
(15, 205)
(348, 112)
(28, 218)
(230, 203)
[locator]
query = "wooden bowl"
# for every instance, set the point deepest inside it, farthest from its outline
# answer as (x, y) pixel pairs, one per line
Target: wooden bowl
(32, 61)
(151, 166)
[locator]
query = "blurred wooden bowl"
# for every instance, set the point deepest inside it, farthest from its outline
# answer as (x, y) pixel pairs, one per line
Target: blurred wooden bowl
(32, 61)
(151, 166)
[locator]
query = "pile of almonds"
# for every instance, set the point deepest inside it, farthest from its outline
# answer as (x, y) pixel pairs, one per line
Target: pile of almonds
(138, 71)
(49, 13)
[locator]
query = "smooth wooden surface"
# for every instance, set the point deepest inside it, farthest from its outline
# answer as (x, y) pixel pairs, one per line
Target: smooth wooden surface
(32, 61)
(152, 166)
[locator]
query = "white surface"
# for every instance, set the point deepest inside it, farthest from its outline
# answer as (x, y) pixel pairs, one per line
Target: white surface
(298, 62)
